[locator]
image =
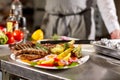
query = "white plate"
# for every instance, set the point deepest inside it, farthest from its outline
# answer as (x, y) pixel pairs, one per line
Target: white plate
(81, 61)
(87, 48)
(4, 46)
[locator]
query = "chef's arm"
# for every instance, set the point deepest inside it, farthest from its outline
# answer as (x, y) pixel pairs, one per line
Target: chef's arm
(108, 12)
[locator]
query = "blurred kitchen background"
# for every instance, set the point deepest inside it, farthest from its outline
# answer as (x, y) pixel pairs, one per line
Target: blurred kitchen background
(33, 10)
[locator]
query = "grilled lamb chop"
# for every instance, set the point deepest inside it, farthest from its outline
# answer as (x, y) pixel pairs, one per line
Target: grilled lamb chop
(29, 57)
(30, 51)
(20, 46)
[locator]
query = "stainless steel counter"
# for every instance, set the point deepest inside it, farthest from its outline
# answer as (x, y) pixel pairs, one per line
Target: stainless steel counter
(98, 67)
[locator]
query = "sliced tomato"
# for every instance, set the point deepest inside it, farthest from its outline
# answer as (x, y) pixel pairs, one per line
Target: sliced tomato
(73, 59)
(61, 63)
(47, 65)
(56, 59)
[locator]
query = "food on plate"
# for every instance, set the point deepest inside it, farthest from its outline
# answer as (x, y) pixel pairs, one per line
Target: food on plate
(34, 53)
(76, 51)
(30, 50)
(57, 49)
(3, 38)
(64, 53)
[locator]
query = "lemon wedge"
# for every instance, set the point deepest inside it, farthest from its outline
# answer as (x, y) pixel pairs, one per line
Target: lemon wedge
(37, 35)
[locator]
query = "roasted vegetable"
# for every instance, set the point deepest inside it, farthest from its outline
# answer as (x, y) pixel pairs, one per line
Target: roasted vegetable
(57, 49)
(77, 51)
(39, 46)
(67, 57)
(64, 54)
(71, 42)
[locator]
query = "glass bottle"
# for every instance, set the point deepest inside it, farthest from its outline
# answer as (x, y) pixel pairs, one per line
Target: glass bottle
(21, 21)
(17, 7)
(11, 21)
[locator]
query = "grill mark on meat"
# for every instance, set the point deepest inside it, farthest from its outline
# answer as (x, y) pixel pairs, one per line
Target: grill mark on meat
(29, 51)
(20, 46)
(30, 56)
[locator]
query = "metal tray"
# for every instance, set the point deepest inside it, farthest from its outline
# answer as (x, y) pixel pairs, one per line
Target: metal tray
(101, 49)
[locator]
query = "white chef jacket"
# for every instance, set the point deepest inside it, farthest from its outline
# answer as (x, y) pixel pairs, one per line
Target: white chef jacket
(108, 12)
(106, 7)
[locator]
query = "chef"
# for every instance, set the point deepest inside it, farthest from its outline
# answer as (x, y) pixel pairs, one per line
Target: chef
(75, 18)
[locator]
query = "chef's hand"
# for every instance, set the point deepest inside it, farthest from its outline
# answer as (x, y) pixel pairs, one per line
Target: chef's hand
(115, 34)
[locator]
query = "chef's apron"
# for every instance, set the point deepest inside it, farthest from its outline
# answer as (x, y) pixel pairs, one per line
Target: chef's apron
(72, 18)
